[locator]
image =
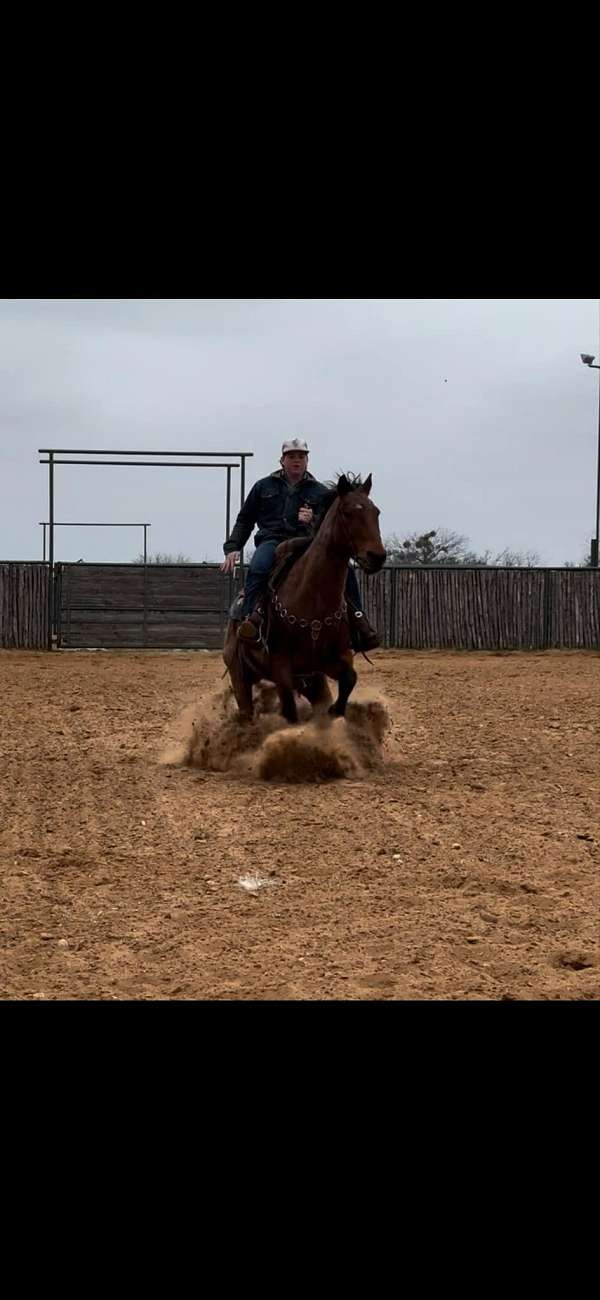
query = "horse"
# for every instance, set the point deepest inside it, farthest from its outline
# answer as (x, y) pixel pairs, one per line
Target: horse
(307, 637)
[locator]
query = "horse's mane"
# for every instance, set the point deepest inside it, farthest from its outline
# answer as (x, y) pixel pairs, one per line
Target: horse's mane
(327, 501)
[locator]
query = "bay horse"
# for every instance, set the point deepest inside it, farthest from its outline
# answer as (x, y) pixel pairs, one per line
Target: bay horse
(306, 637)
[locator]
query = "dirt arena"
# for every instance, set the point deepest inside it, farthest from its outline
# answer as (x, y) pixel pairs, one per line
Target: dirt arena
(463, 863)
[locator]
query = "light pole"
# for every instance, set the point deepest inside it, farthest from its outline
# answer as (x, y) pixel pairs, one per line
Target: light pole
(589, 361)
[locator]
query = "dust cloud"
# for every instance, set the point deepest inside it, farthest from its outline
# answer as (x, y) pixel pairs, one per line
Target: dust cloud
(211, 736)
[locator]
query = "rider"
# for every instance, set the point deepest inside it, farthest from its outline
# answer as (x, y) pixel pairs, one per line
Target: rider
(284, 505)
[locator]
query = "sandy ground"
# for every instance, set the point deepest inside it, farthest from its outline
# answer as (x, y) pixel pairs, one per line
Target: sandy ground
(466, 867)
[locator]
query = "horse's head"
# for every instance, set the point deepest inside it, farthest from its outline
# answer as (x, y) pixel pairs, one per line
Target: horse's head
(358, 521)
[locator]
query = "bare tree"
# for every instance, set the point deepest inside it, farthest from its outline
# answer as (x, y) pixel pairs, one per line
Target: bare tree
(439, 546)
(162, 557)
(516, 560)
(443, 546)
(584, 563)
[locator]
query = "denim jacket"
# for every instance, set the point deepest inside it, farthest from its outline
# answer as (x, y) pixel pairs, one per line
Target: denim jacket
(273, 507)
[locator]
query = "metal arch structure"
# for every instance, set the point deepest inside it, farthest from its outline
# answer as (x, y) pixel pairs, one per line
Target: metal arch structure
(175, 460)
(59, 523)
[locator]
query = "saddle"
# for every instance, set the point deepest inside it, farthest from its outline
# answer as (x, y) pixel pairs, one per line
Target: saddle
(285, 557)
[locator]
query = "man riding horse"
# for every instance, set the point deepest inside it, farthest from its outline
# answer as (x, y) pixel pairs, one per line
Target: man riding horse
(284, 506)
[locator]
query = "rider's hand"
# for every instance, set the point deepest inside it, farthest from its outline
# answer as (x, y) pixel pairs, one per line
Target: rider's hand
(230, 562)
(305, 515)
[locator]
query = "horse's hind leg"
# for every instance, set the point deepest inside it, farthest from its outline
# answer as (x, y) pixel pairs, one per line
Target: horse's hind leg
(242, 689)
(241, 679)
(347, 678)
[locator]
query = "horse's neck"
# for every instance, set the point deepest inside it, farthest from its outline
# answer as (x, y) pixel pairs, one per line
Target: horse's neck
(323, 569)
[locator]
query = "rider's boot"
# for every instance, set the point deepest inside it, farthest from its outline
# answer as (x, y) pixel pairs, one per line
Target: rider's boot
(249, 628)
(362, 635)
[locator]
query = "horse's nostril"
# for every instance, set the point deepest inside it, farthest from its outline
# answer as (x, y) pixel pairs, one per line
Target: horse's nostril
(376, 559)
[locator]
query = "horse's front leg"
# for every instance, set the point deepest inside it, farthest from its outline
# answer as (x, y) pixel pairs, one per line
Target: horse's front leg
(317, 692)
(347, 678)
(282, 676)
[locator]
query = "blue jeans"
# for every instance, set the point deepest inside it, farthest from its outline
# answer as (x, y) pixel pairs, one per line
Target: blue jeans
(260, 566)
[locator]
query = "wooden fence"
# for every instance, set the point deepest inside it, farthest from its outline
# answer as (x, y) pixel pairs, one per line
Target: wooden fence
(185, 607)
(23, 606)
(485, 609)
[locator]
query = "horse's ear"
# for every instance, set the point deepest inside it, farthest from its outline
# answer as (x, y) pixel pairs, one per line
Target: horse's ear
(343, 486)
(367, 485)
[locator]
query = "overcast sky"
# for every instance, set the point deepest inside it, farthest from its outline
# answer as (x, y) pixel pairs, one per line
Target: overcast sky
(472, 414)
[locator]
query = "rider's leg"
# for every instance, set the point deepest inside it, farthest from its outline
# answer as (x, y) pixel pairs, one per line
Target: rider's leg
(362, 635)
(256, 577)
(255, 585)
